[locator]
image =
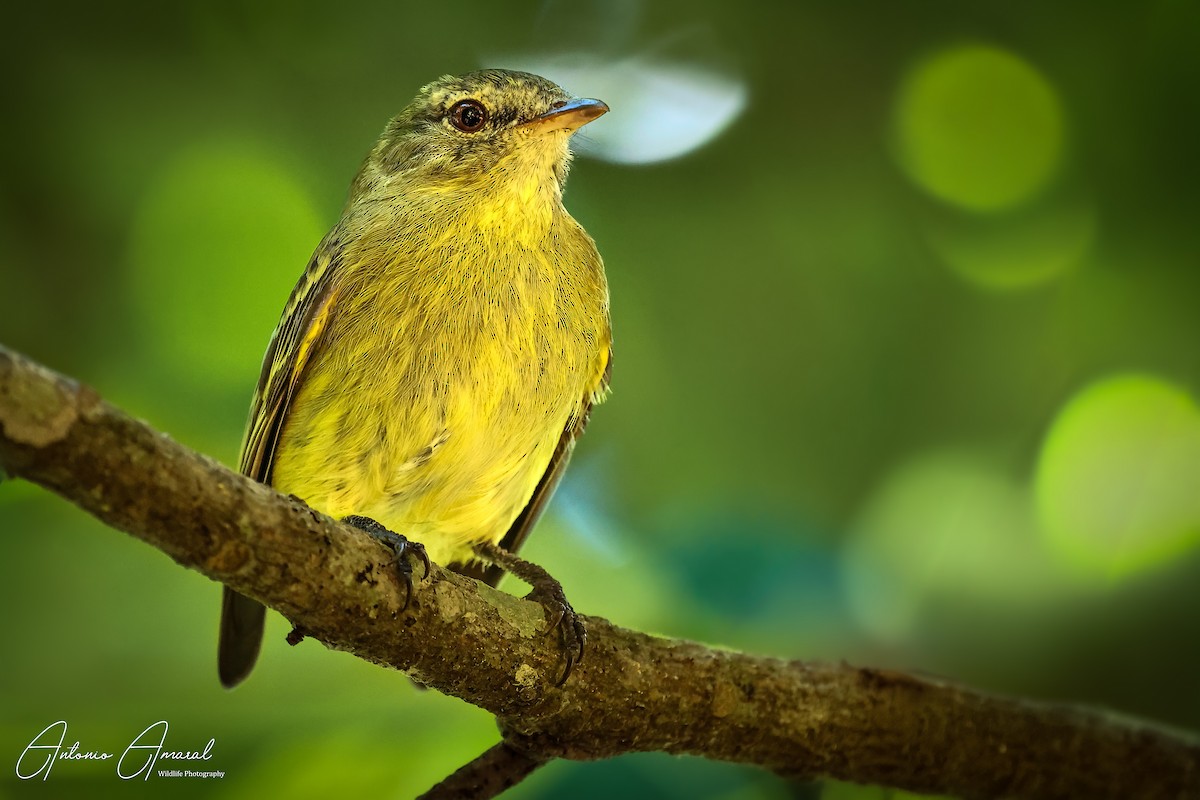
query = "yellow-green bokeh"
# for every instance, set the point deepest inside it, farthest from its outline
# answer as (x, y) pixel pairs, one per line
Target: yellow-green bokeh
(1118, 480)
(1012, 252)
(947, 524)
(978, 127)
(221, 234)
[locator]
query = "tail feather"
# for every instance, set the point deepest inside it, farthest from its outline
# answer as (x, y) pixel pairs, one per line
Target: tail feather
(241, 637)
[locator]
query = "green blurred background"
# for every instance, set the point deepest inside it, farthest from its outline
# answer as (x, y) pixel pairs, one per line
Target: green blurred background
(907, 353)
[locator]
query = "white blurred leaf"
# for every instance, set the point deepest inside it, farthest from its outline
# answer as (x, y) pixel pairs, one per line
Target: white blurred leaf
(660, 110)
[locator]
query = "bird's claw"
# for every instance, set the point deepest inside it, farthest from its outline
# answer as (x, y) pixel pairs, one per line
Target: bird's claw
(564, 620)
(402, 547)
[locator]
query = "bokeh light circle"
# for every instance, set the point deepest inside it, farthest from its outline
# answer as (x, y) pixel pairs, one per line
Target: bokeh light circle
(667, 110)
(978, 127)
(219, 238)
(1118, 479)
(948, 524)
(1015, 252)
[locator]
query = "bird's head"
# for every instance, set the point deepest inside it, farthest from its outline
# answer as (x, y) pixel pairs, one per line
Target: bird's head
(492, 128)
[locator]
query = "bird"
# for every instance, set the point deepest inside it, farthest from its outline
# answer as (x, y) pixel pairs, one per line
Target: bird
(441, 353)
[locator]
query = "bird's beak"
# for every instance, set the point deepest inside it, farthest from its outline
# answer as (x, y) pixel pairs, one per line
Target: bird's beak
(568, 117)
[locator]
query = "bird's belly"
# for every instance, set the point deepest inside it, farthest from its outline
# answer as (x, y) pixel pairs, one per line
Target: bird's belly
(446, 450)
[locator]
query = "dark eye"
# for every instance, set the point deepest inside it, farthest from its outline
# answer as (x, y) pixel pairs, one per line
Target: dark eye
(468, 115)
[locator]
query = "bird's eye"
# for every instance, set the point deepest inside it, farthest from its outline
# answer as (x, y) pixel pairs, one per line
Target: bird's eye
(468, 115)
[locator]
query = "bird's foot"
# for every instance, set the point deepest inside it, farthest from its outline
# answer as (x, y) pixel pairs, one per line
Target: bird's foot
(563, 619)
(548, 593)
(403, 549)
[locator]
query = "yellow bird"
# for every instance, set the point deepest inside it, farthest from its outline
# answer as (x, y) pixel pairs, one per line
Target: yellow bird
(443, 349)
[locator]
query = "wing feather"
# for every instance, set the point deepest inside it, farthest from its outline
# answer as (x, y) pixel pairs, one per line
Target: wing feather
(295, 340)
(292, 346)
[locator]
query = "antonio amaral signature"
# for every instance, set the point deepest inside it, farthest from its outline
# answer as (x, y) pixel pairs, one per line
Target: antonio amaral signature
(138, 760)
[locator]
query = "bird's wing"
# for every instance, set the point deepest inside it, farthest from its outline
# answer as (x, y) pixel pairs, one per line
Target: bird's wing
(523, 524)
(304, 319)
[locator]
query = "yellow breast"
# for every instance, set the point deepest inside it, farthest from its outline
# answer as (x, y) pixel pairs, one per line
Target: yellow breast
(449, 366)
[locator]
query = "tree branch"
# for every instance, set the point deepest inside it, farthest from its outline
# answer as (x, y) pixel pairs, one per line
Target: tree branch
(497, 769)
(632, 693)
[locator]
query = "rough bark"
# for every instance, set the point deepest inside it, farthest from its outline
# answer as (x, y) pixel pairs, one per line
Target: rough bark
(632, 692)
(497, 769)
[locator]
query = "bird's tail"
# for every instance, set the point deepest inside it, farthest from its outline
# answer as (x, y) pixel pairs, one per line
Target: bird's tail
(241, 637)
